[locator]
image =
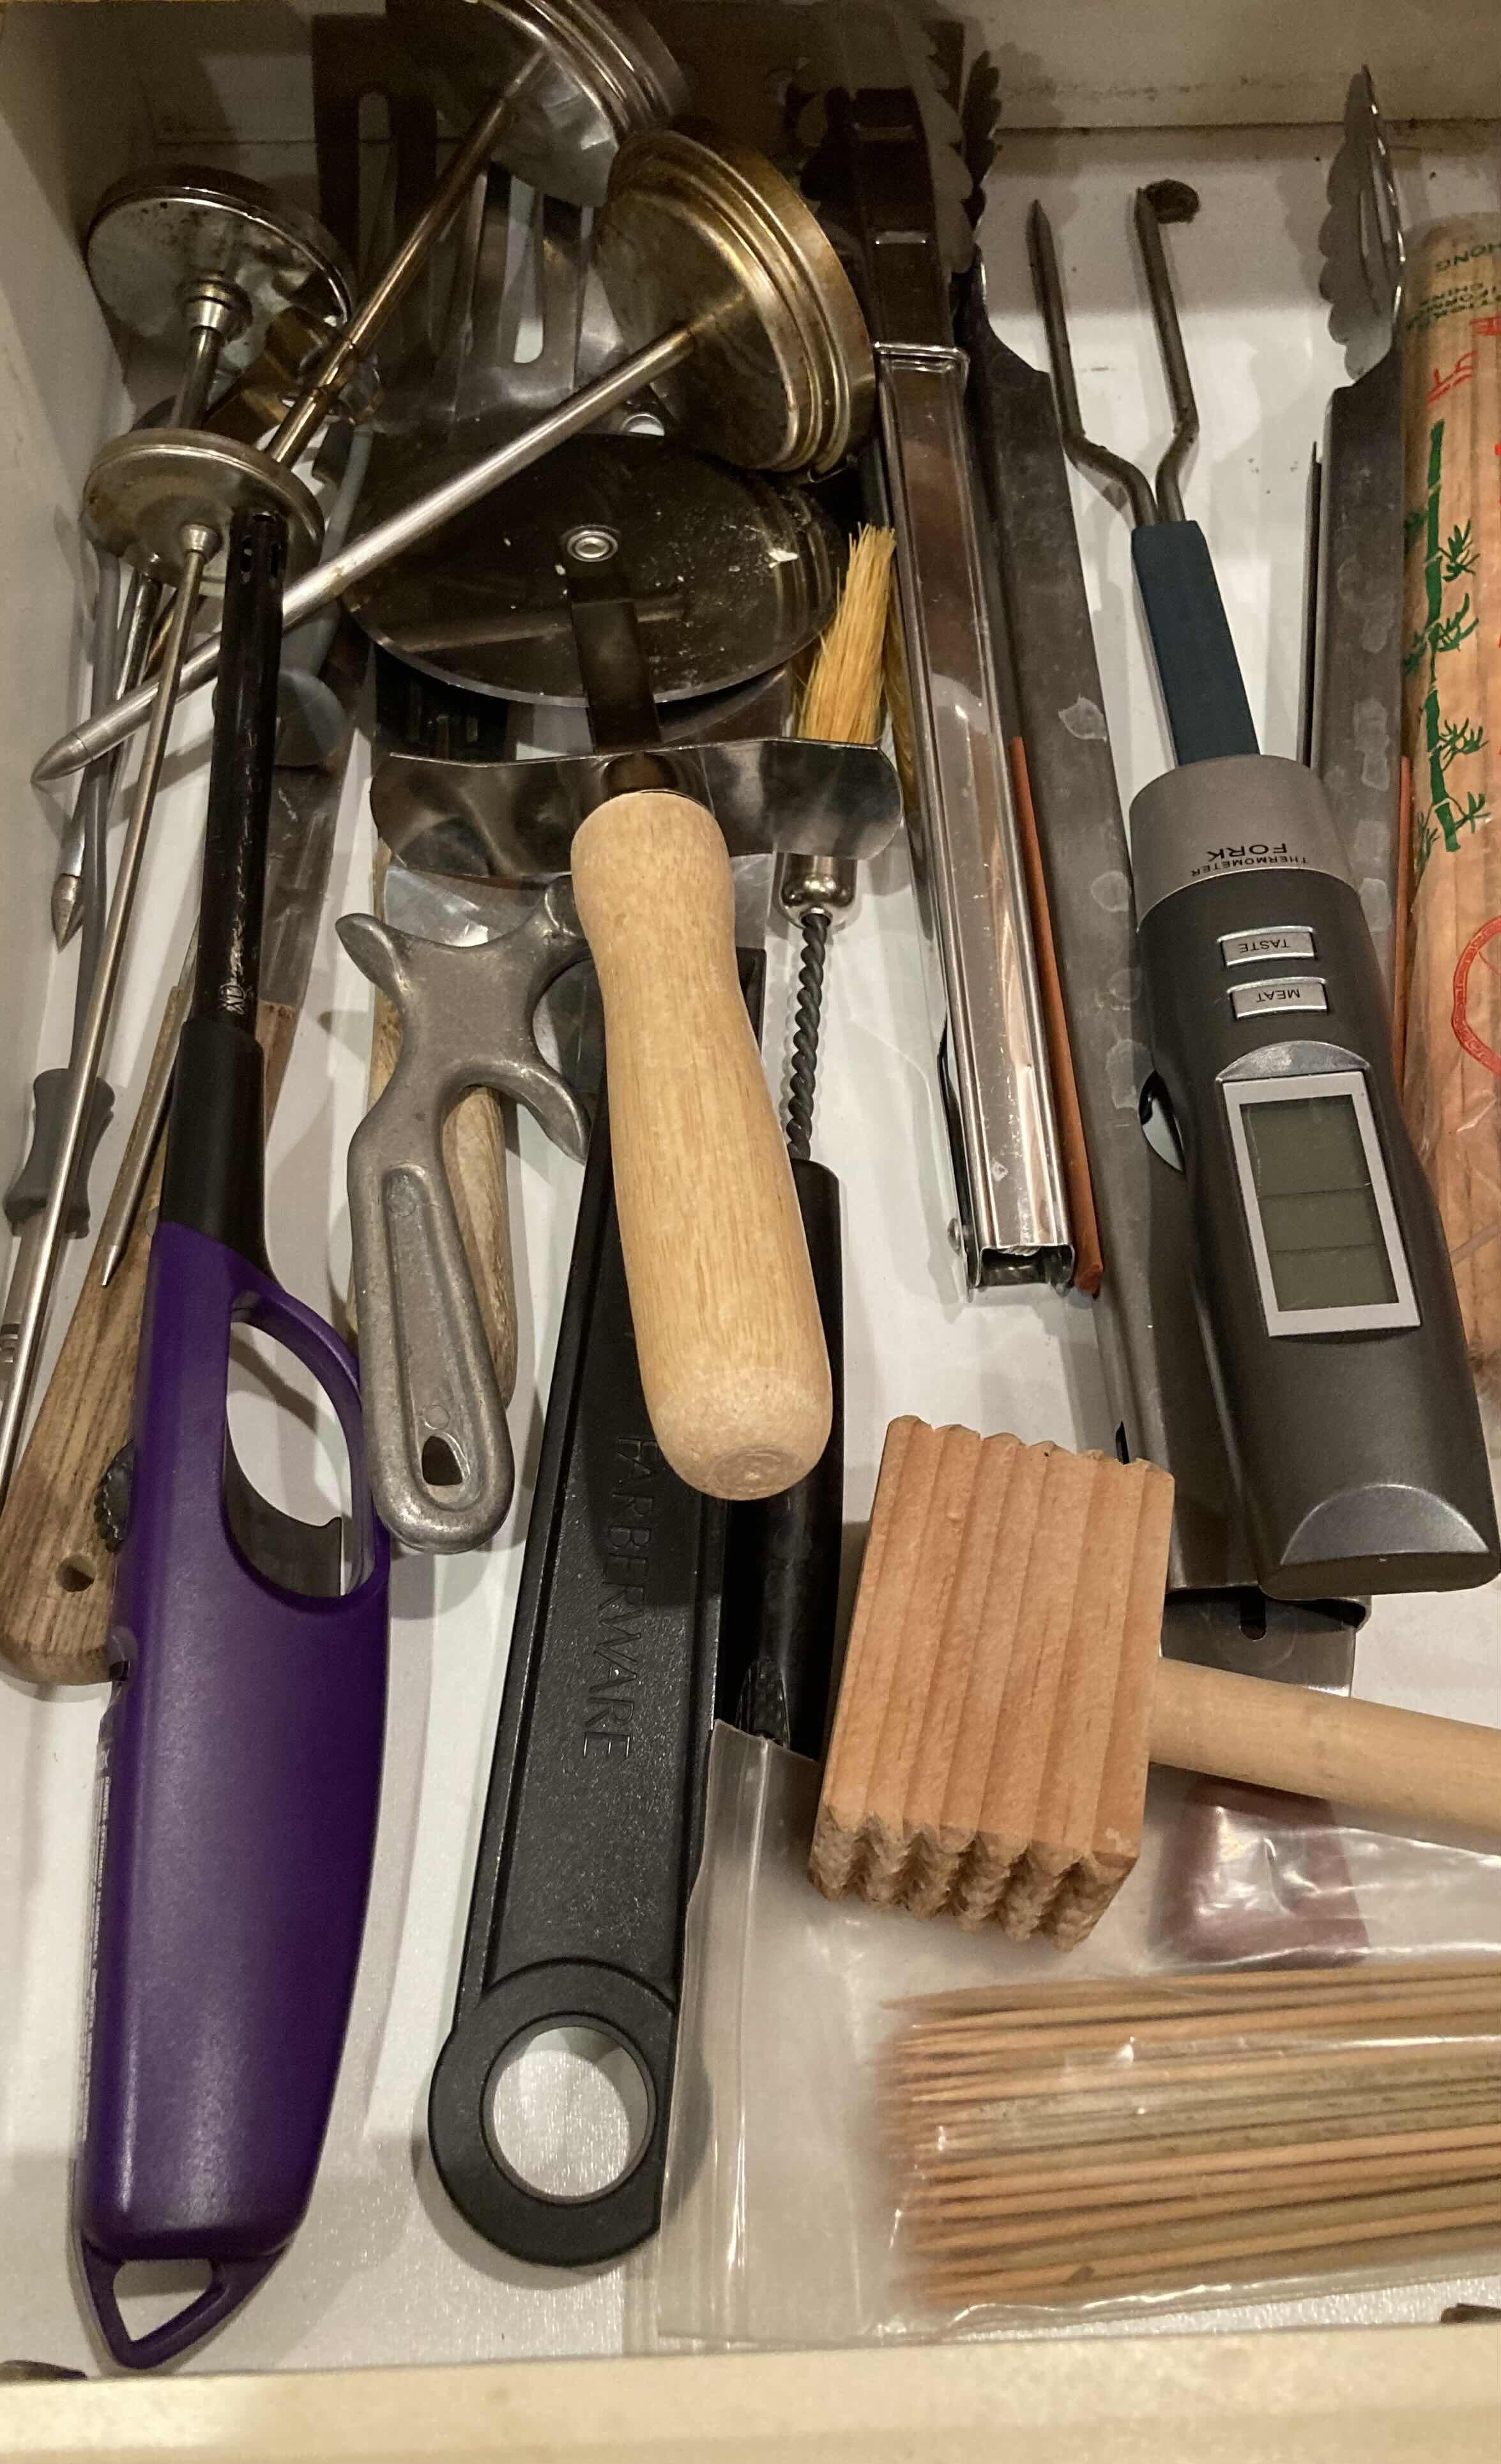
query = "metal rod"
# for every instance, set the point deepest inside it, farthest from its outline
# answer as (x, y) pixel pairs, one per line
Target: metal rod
(1169, 201)
(199, 545)
(143, 600)
(68, 889)
(365, 554)
(345, 355)
(1048, 283)
(195, 384)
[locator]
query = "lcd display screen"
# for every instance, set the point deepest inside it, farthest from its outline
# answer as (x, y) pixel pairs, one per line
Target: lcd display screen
(1319, 1214)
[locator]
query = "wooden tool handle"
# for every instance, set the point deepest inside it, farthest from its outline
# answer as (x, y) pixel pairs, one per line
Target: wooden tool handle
(733, 1363)
(1397, 1763)
(54, 1599)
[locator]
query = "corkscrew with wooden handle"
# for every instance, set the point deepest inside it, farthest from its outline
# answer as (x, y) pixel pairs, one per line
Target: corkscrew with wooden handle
(727, 1324)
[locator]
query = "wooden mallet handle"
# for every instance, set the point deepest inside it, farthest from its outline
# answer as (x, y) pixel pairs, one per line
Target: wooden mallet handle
(1401, 1764)
(731, 1348)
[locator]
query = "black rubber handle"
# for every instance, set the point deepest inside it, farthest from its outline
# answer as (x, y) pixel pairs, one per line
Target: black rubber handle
(213, 1179)
(1197, 666)
(781, 1572)
(32, 1187)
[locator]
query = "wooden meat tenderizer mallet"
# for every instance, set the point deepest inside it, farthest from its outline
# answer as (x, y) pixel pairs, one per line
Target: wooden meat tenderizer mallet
(1004, 1692)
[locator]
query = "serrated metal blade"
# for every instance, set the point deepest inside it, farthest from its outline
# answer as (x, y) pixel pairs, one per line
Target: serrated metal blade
(1362, 237)
(889, 46)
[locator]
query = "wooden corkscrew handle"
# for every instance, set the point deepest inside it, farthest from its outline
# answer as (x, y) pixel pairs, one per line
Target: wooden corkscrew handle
(733, 1362)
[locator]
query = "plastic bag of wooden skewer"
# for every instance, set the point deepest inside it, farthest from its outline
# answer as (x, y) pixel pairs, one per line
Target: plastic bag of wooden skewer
(782, 2223)
(1116, 2142)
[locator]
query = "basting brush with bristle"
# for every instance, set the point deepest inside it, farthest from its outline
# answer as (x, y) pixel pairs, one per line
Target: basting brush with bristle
(781, 1583)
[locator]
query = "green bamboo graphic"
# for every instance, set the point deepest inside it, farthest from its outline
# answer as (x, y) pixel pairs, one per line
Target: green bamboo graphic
(1445, 742)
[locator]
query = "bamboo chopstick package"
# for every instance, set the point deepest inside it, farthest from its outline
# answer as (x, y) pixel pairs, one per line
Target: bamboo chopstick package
(1452, 734)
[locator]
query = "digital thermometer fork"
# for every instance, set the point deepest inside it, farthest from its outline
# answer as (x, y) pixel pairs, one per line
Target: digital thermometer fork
(1328, 1308)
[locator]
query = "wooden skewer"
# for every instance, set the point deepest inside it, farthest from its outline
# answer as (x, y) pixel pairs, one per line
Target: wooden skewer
(938, 2173)
(1303, 1986)
(1424, 2053)
(1005, 2221)
(1385, 2216)
(990, 2122)
(1353, 2015)
(967, 2031)
(1125, 2173)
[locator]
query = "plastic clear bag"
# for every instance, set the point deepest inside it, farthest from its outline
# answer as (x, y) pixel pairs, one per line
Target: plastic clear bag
(783, 2220)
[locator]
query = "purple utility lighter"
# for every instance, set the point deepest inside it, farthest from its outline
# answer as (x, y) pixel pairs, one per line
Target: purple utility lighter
(244, 1740)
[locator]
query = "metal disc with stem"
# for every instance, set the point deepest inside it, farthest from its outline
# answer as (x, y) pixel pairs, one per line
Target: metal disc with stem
(732, 573)
(582, 75)
(214, 259)
(713, 239)
(144, 490)
(560, 83)
(748, 321)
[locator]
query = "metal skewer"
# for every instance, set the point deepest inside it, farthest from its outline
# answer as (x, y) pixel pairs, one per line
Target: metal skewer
(217, 259)
(165, 499)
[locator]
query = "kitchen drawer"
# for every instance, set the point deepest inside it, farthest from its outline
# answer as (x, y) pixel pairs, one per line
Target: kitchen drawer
(1099, 95)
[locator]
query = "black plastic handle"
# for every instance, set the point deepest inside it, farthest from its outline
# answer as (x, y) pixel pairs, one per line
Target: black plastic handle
(782, 1572)
(593, 1819)
(213, 1177)
(1197, 666)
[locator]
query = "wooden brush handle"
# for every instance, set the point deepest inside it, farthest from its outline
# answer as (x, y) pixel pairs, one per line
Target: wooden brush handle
(54, 1599)
(1397, 1763)
(731, 1349)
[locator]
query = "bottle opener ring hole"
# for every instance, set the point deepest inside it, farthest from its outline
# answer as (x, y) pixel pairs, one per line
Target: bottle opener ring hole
(77, 1574)
(441, 1466)
(568, 2110)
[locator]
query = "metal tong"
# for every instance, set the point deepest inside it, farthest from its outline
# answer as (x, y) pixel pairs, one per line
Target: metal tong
(1352, 731)
(874, 177)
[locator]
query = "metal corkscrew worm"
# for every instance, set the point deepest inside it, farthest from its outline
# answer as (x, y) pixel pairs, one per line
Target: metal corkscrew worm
(807, 1017)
